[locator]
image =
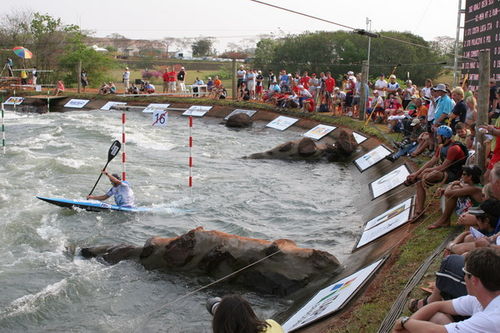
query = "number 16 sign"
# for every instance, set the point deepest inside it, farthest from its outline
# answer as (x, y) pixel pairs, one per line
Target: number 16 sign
(160, 118)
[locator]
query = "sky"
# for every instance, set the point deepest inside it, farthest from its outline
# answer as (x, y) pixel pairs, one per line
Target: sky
(236, 20)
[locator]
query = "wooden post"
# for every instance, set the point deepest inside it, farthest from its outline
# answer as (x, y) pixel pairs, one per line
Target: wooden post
(233, 86)
(78, 75)
(483, 103)
(364, 84)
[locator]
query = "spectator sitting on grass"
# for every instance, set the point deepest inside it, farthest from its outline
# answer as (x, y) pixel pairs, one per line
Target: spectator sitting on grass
(104, 89)
(149, 88)
(112, 88)
(482, 304)
(460, 195)
(410, 143)
(59, 88)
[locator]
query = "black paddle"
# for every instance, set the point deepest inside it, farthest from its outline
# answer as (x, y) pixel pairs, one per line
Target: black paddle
(113, 151)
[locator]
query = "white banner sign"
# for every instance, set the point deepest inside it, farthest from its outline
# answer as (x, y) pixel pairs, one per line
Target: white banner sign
(250, 113)
(386, 222)
(160, 118)
(331, 299)
(76, 103)
(197, 110)
(151, 108)
(14, 100)
(373, 156)
(359, 138)
(108, 105)
(386, 183)
(319, 131)
(282, 123)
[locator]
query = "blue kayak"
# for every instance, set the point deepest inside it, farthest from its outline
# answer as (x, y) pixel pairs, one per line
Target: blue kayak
(92, 205)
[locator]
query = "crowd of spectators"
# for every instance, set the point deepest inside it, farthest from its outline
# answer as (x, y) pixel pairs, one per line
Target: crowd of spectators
(466, 295)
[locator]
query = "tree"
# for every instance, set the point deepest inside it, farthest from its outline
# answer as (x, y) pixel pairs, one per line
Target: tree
(95, 63)
(342, 51)
(202, 47)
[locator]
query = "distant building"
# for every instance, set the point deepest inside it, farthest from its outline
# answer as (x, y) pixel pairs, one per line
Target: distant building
(481, 31)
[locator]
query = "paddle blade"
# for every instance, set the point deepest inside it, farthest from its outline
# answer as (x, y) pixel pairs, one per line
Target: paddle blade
(114, 150)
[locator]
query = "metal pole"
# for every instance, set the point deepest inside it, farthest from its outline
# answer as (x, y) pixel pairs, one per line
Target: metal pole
(124, 155)
(457, 39)
(483, 104)
(369, 28)
(3, 130)
(364, 85)
(233, 92)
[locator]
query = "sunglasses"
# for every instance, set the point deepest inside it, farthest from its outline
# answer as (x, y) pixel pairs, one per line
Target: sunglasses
(467, 273)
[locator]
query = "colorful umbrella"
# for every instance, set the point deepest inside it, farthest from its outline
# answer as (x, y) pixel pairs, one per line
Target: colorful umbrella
(22, 52)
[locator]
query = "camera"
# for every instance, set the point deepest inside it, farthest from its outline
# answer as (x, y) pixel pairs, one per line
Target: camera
(212, 304)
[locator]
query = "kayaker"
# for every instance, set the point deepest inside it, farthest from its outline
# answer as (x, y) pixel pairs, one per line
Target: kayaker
(124, 196)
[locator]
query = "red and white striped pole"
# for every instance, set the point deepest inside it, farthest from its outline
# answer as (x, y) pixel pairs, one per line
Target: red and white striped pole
(190, 149)
(124, 174)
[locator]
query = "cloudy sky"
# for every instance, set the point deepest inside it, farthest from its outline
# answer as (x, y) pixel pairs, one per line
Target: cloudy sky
(234, 20)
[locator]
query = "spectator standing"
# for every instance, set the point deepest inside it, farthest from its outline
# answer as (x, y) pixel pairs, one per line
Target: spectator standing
(426, 90)
(471, 114)
(240, 75)
(24, 77)
(250, 79)
(165, 80)
(329, 86)
(392, 85)
(181, 77)
(172, 80)
(381, 85)
(259, 85)
(34, 75)
(408, 93)
(270, 78)
(304, 80)
(444, 105)
(126, 79)
(459, 111)
(10, 65)
(84, 79)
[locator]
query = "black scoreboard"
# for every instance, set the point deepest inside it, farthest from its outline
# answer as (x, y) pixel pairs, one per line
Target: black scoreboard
(481, 32)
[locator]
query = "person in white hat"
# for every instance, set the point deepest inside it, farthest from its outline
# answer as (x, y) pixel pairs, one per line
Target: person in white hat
(392, 85)
(181, 77)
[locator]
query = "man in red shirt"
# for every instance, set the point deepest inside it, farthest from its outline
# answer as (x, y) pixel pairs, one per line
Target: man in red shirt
(172, 78)
(329, 86)
(304, 80)
(165, 80)
(452, 156)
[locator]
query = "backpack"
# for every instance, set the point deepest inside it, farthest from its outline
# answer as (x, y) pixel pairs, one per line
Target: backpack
(323, 108)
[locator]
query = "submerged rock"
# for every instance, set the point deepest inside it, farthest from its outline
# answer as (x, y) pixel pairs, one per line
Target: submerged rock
(239, 120)
(218, 254)
(308, 149)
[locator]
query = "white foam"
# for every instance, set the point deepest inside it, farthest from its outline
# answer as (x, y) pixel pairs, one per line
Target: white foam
(31, 302)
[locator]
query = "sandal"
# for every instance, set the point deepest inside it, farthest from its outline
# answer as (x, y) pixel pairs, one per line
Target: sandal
(413, 304)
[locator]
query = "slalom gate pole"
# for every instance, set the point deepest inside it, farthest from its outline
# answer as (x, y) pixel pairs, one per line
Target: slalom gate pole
(124, 155)
(3, 130)
(190, 151)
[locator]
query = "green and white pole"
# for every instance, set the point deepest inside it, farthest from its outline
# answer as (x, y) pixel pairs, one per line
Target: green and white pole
(3, 130)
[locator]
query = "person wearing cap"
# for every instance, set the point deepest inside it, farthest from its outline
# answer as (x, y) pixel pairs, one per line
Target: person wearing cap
(460, 195)
(445, 166)
(392, 85)
(259, 85)
(270, 78)
(121, 191)
(410, 142)
(376, 106)
(181, 77)
(381, 85)
(126, 79)
(444, 105)
(241, 75)
(481, 305)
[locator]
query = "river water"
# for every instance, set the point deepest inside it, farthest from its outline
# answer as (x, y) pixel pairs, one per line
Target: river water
(45, 288)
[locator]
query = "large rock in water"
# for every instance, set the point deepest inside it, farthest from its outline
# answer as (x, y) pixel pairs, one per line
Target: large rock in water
(308, 149)
(218, 254)
(239, 120)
